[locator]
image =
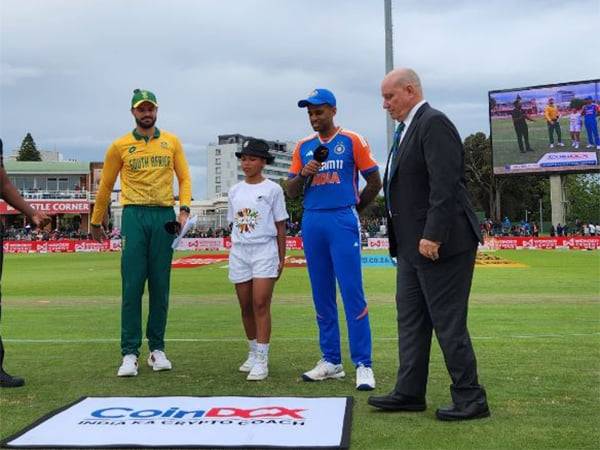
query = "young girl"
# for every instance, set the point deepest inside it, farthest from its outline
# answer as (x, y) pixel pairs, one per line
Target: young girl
(575, 120)
(257, 212)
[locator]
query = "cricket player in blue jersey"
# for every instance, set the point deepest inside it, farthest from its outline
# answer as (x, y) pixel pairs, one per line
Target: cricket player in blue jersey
(331, 233)
(590, 111)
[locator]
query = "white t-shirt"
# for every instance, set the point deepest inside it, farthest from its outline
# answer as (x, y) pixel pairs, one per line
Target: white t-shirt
(253, 210)
(575, 121)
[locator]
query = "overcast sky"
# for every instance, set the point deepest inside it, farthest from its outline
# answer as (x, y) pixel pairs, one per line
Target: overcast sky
(68, 67)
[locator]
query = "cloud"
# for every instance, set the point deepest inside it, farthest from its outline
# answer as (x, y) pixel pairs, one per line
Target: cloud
(67, 69)
(10, 75)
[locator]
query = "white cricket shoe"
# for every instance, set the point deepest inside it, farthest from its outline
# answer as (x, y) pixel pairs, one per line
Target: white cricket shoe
(560, 144)
(249, 363)
(365, 378)
(129, 366)
(260, 369)
(324, 370)
(158, 361)
(589, 146)
(551, 145)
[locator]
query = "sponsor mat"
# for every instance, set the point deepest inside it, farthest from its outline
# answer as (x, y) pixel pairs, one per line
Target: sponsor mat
(188, 262)
(193, 422)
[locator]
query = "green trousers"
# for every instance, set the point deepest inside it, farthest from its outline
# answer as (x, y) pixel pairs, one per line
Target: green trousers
(146, 255)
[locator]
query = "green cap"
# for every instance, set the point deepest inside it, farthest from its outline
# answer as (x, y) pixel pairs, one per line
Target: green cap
(140, 96)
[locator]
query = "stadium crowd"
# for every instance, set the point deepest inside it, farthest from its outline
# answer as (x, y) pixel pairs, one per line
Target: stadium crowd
(525, 228)
(371, 227)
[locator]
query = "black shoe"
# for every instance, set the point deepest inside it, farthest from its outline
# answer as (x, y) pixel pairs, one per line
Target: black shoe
(468, 412)
(530, 149)
(8, 381)
(398, 402)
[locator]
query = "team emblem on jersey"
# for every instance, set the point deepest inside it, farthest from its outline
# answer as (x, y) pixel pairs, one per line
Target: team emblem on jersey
(164, 144)
(132, 149)
(246, 220)
(246, 144)
(339, 149)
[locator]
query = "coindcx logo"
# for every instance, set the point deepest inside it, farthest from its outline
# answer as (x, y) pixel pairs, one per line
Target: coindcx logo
(174, 412)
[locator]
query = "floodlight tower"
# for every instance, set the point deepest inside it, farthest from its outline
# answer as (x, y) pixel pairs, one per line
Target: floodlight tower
(389, 63)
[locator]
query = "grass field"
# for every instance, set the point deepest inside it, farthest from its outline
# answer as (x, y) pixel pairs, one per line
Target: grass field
(506, 148)
(536, 332)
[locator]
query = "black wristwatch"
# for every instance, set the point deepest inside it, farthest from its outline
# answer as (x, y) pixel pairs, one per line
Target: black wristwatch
(184, 209)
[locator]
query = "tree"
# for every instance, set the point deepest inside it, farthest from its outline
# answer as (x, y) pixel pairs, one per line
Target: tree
(510, 195)
(28, 150)
(293, 205)
(583, 195)
(375, 209)
(483, 186)
(576, 103)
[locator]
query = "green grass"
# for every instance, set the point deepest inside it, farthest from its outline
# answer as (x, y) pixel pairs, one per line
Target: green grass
(506, 148)
(536, 332)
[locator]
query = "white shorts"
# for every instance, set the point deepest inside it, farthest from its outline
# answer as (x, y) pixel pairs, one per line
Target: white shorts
(248, 261)
(575, 128)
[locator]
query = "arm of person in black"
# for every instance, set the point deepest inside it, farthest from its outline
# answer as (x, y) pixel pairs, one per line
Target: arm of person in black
(370, 191)
(11, 196)
(443, 154)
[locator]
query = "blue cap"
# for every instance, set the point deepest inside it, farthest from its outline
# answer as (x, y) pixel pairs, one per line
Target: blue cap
(318, 97)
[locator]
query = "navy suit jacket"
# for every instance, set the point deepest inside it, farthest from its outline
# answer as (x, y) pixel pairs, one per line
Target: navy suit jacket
(427, 193)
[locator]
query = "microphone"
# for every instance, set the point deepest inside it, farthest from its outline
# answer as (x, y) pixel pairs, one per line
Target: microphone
(320, 155)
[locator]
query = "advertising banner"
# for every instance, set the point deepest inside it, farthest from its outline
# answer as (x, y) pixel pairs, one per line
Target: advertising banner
(61, 246)
(295, 243)
(519, 242)
(194, 422)
(201, 244)
(377, 243)
(51, 207)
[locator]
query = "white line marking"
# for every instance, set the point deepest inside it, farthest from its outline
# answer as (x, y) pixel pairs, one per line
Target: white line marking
(299, 339)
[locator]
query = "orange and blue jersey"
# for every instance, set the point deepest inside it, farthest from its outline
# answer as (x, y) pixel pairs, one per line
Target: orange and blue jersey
(590, 111)
(336, 184)
(331, 240)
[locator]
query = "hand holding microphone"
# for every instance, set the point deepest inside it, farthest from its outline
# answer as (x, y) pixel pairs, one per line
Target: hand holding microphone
(320, 155)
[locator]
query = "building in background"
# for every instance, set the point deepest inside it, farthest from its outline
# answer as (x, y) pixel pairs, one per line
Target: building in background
(223, 170)
(47, 156)
(60, 189)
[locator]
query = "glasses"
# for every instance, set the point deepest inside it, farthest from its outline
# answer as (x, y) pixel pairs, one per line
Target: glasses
(173, 227)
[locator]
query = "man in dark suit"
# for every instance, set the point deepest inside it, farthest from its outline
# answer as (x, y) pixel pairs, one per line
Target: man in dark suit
(433, 233)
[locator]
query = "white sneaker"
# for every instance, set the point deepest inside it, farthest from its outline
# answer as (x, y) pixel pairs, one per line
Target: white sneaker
(560, 144)
(324, 370)
(260, 369)
(365, 378)
(158, 361)
(249, 363)
(597, 147)
(551, 145)
(589, 146)
(129, 366)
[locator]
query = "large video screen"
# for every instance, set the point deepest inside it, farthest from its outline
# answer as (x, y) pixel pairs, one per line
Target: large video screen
(550, 128)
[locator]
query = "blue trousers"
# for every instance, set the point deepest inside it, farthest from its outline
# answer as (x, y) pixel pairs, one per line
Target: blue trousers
(331, 240)
(591, 126)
